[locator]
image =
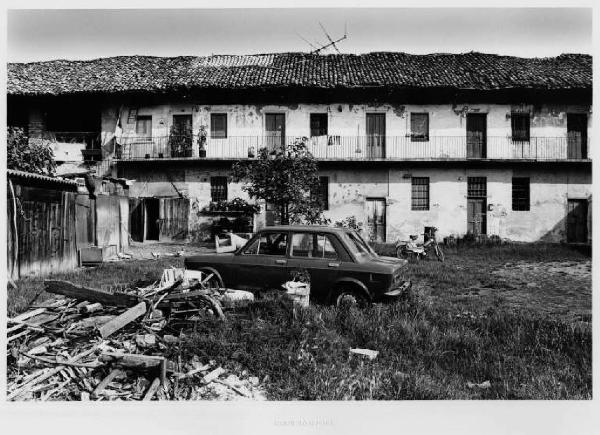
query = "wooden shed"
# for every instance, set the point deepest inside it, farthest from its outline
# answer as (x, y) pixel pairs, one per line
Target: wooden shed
(41, 234)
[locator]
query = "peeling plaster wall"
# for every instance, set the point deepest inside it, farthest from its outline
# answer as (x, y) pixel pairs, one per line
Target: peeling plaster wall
(549, 191)
(349, 188)
(350, 120)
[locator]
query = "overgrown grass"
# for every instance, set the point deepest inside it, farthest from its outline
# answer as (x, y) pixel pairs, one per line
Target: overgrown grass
(425, 352)
(431, 345)
(30, 289)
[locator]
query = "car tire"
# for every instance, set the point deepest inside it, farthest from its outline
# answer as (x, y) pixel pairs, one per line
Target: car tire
(215, 281)
(350, 297)
(401, 253)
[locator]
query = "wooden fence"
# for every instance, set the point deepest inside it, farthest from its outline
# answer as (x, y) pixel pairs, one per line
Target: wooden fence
(49, 221)
(41, 226)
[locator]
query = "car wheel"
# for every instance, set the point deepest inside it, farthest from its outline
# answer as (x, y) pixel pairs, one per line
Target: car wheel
(348, 297)
(401, 253)
(214, 281)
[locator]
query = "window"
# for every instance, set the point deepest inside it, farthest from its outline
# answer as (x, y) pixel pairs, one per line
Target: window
(313, 245)
(218, 189)
(322, 195)
(419, 127)
(477, 187)
(520, 126)
(268, 244)
(218, 125)
(520, 194)
(420, 193)
(318, 124)
(143, 126)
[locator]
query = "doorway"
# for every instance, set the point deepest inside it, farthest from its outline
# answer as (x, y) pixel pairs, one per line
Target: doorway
(577, 221)
(477, 205)
(152, 211)
(577, 126)
(476, 135)
(181, 136)
(375, 135)
(376, 219)
(274, 130)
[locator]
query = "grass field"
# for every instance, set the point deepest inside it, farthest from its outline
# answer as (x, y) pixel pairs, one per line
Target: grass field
(517, 316)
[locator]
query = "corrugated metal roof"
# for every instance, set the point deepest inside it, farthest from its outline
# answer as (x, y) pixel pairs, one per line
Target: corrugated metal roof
(472, 70)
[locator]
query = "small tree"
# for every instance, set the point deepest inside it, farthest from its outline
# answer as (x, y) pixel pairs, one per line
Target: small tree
(284, 177)
(34, 156)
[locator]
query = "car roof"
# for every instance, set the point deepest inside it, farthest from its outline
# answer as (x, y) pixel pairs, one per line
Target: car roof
(306, 228)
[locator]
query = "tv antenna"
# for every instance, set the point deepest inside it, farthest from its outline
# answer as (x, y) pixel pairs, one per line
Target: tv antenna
(331, 43)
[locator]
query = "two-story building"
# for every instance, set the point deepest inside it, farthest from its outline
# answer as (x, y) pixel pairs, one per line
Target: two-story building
(469, 143)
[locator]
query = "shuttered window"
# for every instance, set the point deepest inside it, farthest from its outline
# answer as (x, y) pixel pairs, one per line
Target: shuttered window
(477, 187)
(419, 127)
(143, 126)
(520, 194)
(322, 194)
(218, 125)
(420, 193)
(318, 124)
(218, 189)
(520, 126)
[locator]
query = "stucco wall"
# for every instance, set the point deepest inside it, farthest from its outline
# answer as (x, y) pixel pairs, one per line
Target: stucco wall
(349, 190)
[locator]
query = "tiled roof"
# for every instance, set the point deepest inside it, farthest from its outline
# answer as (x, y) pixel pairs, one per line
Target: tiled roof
(384, 69)
(40, 178)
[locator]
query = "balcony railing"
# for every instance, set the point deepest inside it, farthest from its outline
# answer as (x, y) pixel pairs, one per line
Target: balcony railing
(359, 147)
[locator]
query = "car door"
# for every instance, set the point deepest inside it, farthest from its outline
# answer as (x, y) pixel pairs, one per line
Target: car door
(263, 262)
(321, 255)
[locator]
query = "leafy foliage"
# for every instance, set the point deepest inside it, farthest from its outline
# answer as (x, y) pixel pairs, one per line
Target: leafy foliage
(236, 204)
(33, 156)
(349, 222)
(284, 177)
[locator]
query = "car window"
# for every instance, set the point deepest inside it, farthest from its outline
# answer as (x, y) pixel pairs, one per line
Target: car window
(268, 244)
(313, 245)
(357, 245)
(302, 245)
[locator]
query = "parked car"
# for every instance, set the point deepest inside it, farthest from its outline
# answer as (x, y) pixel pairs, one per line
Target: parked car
(341, 265)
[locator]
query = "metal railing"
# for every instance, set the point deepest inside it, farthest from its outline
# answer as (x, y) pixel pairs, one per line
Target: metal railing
(366, 148)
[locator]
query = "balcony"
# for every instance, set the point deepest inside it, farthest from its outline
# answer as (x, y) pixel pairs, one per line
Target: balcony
(74, 146)
(364, 148)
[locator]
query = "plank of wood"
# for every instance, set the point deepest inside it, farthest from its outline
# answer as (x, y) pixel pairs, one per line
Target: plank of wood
(104, 382)
(193, 372)
(152, 389)
(131, 360)
(62, 363)
(122, 320)
(213, 375)
(24, 316)
(29, 385)
(71, 290)
(20, 334)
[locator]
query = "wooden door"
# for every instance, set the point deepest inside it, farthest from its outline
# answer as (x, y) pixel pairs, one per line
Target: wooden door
(577, 135)
(476, 135)
(577, 221)
(375, 135)
(274, 130)
(376, 220)
(477, 205)
(476, 216)
(174, 216)
(181, 136)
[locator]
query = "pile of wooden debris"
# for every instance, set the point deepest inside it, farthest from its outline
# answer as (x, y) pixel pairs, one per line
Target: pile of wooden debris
(109, 344)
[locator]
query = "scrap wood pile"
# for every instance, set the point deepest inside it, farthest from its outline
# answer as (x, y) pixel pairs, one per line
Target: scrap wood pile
(109, 344)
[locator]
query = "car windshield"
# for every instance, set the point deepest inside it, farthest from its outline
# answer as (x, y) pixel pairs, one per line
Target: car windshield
(358, 245)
